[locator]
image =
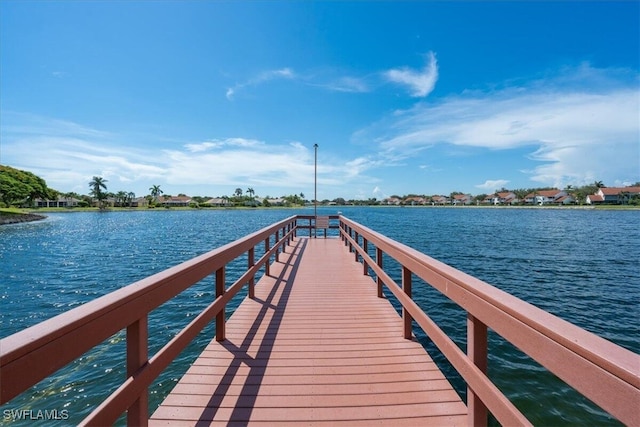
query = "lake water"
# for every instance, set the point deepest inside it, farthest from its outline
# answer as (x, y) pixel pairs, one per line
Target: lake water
(581, 265)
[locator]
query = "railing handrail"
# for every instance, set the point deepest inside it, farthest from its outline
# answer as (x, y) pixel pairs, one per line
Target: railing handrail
(25, 357)
(602, 371)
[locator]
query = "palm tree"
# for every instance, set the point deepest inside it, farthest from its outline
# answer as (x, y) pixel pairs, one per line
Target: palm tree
(96, 184)
(599, 184)
(238, 192)
(131, 195)
(121, 198)
(155, 192)
(250, 191)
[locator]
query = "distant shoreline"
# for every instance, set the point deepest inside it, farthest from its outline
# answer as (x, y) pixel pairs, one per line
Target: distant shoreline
(31, 216)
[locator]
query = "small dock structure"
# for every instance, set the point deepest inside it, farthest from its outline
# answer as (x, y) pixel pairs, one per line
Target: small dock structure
(317, 341)
(315, 345)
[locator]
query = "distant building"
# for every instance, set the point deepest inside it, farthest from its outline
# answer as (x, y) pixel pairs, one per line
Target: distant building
(546, 197)
(175, 201)
(60, 202)
(219, 202)
(462, 199)
(613, 195)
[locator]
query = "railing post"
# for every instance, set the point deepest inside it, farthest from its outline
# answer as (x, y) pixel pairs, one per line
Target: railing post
(251, 261)
(275, 243)
(310, 234)
(284, 241)
(365, 247)
(406, 317)
(477, 353)
(267, 264)
(355, 249)
(220, 317)
(378, 279)
(138, 356)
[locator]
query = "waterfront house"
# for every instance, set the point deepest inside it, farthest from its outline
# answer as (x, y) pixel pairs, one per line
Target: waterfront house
(219, 202)
(415, 200)
(439, 200)
(391, 201)
(60, 202)
(614, 195)
(175, 201)
(501, 198)
(545, 197)
(462, 199)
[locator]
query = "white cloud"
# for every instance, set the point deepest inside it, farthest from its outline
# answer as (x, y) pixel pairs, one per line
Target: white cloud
(70, 154)
(265, 76)
(577, 128)
(493, 185)
(420, 82)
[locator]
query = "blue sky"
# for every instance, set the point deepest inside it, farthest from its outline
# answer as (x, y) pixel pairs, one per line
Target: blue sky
(205, 97)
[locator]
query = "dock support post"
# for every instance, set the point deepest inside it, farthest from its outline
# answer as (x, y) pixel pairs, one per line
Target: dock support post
(251, 261)
(378, 279)
(406, 317)
(477, 353)
(220, 317)
(138, 356)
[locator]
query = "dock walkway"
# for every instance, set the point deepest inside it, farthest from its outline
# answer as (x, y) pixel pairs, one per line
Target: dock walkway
(316, 346)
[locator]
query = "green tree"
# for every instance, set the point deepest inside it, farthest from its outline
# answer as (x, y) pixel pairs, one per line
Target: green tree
(250, 192)
(130, 197)
(155, 192)
(18, 186)
(97, 184)
(238, 192)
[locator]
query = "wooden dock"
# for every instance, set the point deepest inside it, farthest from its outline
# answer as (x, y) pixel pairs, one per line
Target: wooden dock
(316, 346)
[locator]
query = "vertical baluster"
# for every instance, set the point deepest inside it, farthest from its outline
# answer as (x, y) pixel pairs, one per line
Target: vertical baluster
(477, 353)
(267, 264)
(355, 249)
(284, 241)
(220, 317)
(406, 317)
(251, 261)
(310, 229)
(138, 356)
(378, 279)
(365, 247)
(276, 244)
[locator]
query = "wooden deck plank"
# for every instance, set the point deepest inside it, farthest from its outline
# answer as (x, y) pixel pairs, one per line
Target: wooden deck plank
(316, 346)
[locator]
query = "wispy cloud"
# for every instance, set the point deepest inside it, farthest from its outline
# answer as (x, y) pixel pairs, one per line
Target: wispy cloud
(70, 154)
(283, 73)
(493, 185)
(580, 124)
(421, 83)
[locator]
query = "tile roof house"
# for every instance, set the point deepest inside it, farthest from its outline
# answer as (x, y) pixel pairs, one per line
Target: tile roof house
(391, 201)
(175, 201)
(545, 197)
(415, 200)
(60, 202)
(462, 199)
(439, 200)
(501, 198)
(614, 195)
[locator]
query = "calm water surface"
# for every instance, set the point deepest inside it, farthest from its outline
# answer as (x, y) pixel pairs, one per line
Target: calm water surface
(581, 265)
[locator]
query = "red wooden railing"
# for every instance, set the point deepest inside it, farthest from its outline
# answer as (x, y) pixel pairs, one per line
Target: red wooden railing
(604, 372)
(36, 352)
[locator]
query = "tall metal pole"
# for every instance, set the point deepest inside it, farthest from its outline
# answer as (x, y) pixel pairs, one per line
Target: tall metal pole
(315, 188)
